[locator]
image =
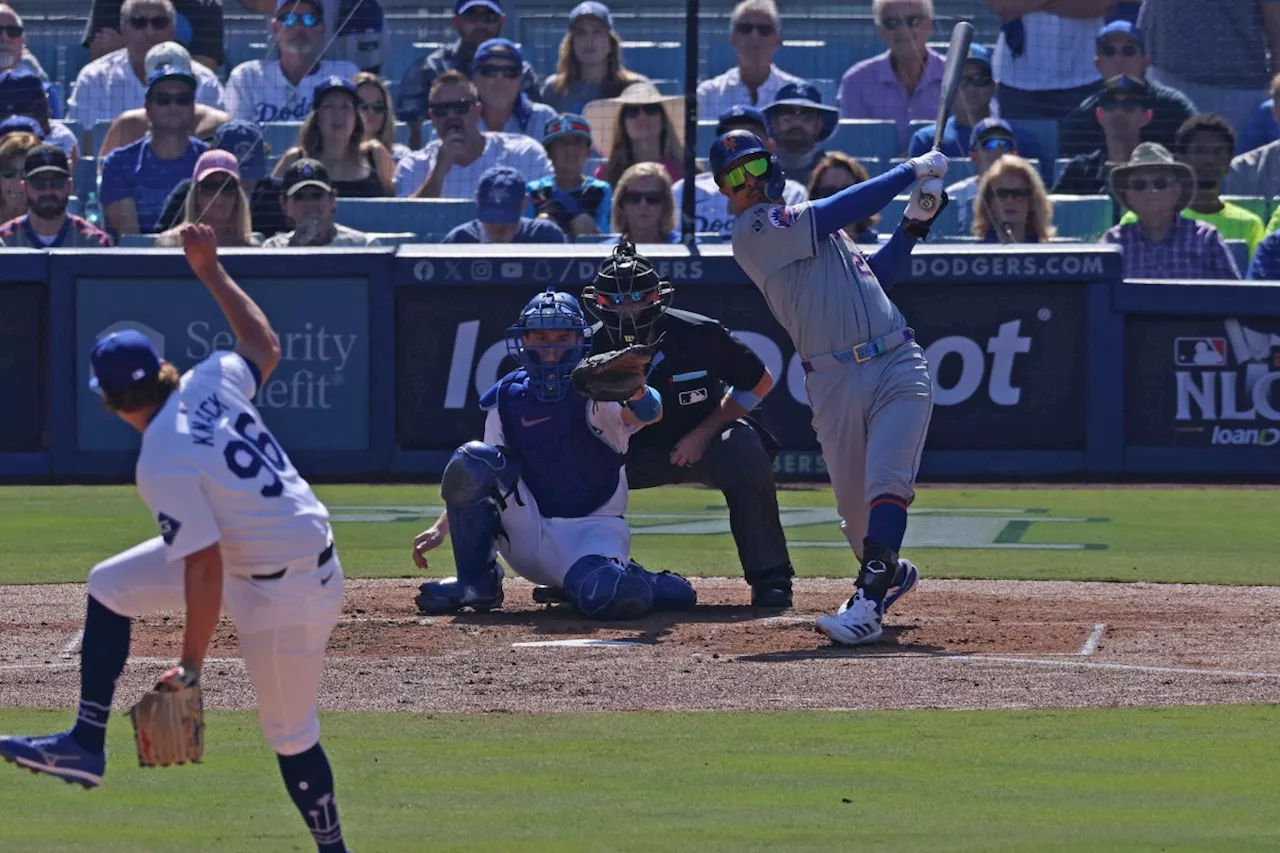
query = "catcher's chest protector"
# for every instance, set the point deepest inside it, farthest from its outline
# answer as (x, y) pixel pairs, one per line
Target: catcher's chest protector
(569, 469)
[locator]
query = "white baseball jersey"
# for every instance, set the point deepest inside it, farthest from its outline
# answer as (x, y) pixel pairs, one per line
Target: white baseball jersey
(727, 90)
(820, 289)
(711, 208)
(210, 471)
(521, 153)
(258, 91)
(107, 87)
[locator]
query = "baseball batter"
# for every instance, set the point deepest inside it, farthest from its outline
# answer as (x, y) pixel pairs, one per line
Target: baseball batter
(867, 380)
(239, 528)
(546, 488)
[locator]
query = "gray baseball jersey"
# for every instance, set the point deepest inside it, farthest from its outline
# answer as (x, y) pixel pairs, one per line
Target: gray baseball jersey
(819, 288)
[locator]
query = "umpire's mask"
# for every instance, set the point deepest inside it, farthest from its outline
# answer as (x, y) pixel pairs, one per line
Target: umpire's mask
(627, 296)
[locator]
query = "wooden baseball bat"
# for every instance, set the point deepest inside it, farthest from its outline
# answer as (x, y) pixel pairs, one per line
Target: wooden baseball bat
(957, 52)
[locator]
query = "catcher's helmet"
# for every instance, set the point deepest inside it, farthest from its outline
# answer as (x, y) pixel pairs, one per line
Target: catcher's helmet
(549, 377)
(738, 145)
(627, 296)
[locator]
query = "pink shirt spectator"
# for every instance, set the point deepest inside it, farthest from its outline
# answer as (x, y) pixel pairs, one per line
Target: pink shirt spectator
(871, 90)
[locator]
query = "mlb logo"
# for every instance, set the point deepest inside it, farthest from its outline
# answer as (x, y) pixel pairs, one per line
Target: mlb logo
(697, 395)
(1200, 352)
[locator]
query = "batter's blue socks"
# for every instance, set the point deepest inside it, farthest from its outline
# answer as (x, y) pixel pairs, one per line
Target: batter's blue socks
(309, 779)
(103, 652)
(888, 522)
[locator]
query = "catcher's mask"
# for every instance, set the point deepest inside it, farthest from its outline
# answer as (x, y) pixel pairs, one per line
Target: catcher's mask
(549, 364)
(627, 296)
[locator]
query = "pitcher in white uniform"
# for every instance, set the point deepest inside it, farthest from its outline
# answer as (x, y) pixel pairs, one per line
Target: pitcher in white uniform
(866, 377)
(239, 528)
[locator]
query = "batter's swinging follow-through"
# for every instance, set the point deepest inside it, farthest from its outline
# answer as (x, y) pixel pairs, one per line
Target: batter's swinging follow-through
(866, 377)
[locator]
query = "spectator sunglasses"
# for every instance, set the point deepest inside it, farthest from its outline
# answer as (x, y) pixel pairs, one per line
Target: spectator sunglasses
(980, 79)
(457, 108)
(13, 31)
(634, 197)
(997, 143)
(140, 22)
(905, 20)
(1123, 50)
(736, 177)
(1161, 182)
(1013, 192)
(508, 71)
(307, 19)
(745, 28)
(375, 107)
(634, 110)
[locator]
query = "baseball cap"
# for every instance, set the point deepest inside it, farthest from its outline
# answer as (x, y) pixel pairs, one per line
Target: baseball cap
(1123, 87)
(170, 72)
(20, 91)
(463, 6)
(331, 84)
(46, 158)
(244, 140)
(989, 128)
(500, 195)
(595, 9)
(215, 161)
(281, 5)
(498, 49)
(121, 360)
(167, 53)
(21, 124)
(741, 114)
(980, 54)
(565, 124)
(1124, 28)
(305, 173)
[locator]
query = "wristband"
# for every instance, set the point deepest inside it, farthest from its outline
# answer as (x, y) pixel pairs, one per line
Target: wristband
(648, 407)
(745, 399)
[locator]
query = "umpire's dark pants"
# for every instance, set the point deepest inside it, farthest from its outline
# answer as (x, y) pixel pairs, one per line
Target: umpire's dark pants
(738, 464)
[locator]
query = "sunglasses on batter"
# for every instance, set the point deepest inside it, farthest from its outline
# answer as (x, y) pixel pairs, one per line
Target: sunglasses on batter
(736, 177)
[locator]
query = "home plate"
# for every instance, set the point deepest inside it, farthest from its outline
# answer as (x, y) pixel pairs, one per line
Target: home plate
(577, 643)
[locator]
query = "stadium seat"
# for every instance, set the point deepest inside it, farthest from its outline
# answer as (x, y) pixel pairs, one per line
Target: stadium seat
(1240, 251)
(865, 138)
(1059, 166)
(280, 136)
(100, 128)
(86, 176)
(430, 219)
(1251, 203)
(401, 133)
(1046, 131)
(77, 129)
(1083, 216)
(657, 60)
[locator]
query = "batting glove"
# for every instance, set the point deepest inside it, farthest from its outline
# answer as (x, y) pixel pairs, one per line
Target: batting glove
(931, 164)
(928, 200)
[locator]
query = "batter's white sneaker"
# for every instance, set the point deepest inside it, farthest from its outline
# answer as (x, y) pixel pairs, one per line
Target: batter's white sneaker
(855, 623)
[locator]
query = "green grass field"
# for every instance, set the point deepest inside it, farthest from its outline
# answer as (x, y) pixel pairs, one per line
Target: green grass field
(1199, 778)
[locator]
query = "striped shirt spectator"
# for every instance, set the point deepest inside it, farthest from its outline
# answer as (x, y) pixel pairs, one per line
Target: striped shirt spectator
(47, 225)
(1189, 249)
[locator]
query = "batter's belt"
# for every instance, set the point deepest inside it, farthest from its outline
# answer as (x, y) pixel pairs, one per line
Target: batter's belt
(860, 353)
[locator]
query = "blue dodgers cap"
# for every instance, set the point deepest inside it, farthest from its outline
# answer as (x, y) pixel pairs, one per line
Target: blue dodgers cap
(333, 83)
(741, 114)
(594, 9)
(979, 53)
(21, 124)
(500, 195)
(20, 92)
(170, 72)
(988, 128)
(497, 49)
(1124, 28)
(121, 360)
(243, 139)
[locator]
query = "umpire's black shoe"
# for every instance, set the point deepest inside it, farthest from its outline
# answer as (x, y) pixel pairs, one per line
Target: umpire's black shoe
(773, 594)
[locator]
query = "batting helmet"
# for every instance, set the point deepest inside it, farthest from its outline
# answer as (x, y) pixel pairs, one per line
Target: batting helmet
(627, 296)
(549, 379)
(738, 145)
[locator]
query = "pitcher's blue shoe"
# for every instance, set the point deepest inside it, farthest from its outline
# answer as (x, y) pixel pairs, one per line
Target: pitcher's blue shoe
(903, 581)
(58, 755)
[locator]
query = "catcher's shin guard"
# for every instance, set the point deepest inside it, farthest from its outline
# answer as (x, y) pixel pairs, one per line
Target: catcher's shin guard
(604, 589)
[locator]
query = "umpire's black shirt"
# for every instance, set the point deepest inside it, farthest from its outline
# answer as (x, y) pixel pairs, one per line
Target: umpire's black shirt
(695, 362)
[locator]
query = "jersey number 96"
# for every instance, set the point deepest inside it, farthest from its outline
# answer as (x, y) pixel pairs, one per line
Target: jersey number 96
(248, 456)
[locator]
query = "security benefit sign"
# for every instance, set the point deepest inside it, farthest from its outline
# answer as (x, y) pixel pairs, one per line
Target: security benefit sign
(1202, 383)
(318, 396)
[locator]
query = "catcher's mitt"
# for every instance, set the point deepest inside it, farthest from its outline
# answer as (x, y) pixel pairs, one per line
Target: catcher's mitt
(168, 722)
(612, 377)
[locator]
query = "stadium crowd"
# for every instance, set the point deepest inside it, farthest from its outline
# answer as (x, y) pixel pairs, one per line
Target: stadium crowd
(1173, 129)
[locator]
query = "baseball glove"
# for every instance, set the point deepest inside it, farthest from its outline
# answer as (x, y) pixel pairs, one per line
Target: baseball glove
(168, 722)
(612, 377)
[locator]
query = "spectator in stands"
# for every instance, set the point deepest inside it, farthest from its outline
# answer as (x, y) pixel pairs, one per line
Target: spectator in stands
(375, 113)
(1257, 171)
(590, 65)
(13, 44)
(573, 201)
(1262, 127)
(1012, 201)
(215, 198)
(46, 224)
(22, 94)
(990, 140)
(1265, 265)
(310, 202)
(475, 22)
(711, 207)
(1162, 244)
(450, 165)
(333, 134)
(1044, 57)
(755, 31)
(283, 89)
(117, 81)
(903, 83)
(132, 125)
(14, 148)
(646, 210)
(1121, 50)
(1123, 110)
(800, 123)
(1205, 143)
(361, 37)
(973, 104)
(1217, 53)
(500, 202)
(837, 171)
(197, 24)
(638, 126)
(243, 139)
(137, 178)
(496, 71)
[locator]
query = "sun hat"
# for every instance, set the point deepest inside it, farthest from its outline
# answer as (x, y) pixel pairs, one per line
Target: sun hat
(602, 115)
